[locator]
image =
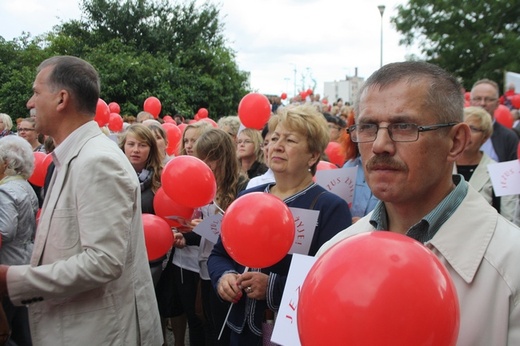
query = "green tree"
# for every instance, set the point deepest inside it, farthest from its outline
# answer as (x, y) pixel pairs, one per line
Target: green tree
(471, 39)
(175, 51)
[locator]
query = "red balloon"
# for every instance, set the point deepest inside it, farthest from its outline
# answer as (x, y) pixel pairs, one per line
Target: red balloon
(210, 121)
(168, 119)
(284, 96)
(324, 165)
(174, 135)
(114, 107)
(170, 211)
(182, 127)
(515, 101)
(158, 236)
(503, 116)
(309, 92)
(467, 96)
(334, 153)
(202, 113)
(257, 230)
(188, 181)
(102, 113)
(378, 288)
(115, 124)
(152, 105)
(41, 163)
(254, 110)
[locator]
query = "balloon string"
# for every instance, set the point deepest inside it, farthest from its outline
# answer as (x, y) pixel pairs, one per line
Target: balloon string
(229, 311)
(221, 211)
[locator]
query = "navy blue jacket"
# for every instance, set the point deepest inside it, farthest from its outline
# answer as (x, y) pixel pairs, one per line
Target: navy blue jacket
(334, 217)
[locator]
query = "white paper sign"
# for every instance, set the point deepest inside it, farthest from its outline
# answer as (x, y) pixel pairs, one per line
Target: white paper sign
(209, 228)
(341, 182)
(505, 177)
(305, 222)
(285, 330)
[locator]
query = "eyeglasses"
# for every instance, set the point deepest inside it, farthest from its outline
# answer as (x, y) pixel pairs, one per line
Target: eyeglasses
(485, 99)
(25, 130)
(398, 132)
(245, 141)
(475, 129)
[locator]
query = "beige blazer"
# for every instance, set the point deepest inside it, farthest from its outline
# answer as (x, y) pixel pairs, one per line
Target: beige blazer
(89, 281)
(480, 249)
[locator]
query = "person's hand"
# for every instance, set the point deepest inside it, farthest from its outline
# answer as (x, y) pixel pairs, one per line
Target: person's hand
(228, 288)
(193, 223)
(178, 240)
(254, 284)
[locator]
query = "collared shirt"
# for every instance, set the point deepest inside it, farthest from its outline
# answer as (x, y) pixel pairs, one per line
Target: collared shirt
(426, 229)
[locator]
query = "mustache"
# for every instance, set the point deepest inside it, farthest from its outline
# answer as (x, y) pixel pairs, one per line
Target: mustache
(384, 161)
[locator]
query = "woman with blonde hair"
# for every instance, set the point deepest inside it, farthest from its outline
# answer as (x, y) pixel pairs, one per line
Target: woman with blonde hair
(299, 137)
(250, 154)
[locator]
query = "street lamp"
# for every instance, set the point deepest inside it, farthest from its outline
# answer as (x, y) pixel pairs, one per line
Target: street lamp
(381, 10)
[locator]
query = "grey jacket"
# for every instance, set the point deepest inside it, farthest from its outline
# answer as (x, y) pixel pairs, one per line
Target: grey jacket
(18, 208)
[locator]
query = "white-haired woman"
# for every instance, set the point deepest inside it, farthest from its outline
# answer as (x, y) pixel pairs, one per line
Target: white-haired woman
(18, 208)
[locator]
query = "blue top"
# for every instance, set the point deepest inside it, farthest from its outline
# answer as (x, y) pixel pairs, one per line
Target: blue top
(364, 200)
(334, 217)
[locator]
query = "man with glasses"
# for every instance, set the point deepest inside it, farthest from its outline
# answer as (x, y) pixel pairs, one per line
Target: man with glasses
(410, 130)
(503, 144)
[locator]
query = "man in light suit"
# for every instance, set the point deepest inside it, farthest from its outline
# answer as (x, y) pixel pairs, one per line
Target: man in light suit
(410, 132)
(88, 282)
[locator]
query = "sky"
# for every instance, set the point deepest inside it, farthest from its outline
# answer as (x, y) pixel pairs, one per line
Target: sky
(284, 44)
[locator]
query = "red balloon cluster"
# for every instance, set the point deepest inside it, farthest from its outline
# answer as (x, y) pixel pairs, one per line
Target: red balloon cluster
(503, 116)
(259, 236)
(153, 106)
(102, 113)
(378, 288)
(254, 110)
(188, 181)
(158, 236)
(41, 163)
(283, 96)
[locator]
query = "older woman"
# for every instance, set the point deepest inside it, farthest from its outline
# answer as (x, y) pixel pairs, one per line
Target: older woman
(299, 136)
(6, 123)
(18, 208)
(473, 162)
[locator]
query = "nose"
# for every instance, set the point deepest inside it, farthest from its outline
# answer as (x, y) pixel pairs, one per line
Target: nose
(30, 103)
(383, 143)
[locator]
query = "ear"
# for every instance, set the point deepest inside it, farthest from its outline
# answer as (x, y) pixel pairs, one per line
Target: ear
(461, 137)
(314, 158)
(63, 100)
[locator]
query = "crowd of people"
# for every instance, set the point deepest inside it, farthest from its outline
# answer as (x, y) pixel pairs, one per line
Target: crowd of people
(80, 274)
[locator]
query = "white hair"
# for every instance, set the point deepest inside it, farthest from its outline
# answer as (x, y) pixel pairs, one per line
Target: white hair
(17, 153)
